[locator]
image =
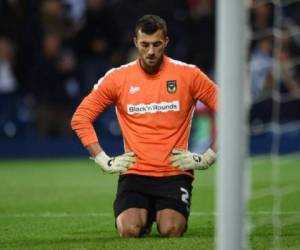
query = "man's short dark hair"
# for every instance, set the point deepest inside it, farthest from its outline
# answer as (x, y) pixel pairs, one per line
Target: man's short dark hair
(149, 24)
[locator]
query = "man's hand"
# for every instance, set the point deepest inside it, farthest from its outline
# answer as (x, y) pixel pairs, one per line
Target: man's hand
(118, 164)
(185, 160)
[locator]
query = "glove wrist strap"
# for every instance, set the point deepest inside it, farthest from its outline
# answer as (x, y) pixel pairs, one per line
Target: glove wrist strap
(210, 156)
(102, 159)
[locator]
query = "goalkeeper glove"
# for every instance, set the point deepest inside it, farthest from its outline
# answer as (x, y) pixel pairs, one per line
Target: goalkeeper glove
(186, 160)
(118, 164)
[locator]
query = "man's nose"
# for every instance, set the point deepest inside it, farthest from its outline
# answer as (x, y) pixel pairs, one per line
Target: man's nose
(151, 50)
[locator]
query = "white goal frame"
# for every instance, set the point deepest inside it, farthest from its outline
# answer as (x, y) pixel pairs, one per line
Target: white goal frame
(231, 167)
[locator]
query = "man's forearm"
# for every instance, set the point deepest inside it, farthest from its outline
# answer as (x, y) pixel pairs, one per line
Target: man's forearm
(94, 149)
(213, 146)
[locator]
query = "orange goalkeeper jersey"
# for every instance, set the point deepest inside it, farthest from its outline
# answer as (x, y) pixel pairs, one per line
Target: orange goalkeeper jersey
(154, 111)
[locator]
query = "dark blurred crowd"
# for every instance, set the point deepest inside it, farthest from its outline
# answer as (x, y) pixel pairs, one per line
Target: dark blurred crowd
(53, 51)
(274, 62)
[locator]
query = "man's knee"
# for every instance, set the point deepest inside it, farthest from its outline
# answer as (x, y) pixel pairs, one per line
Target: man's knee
(170, 223)
(171, 229)
(129, 230)
(131, 222)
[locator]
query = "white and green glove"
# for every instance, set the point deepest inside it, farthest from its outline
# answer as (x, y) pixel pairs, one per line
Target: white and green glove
(186, 160)
(118, 164)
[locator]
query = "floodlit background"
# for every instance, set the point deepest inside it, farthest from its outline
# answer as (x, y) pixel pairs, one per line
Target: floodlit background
(52, 52)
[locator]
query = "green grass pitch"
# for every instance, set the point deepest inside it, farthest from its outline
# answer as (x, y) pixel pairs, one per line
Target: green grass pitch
(67, 204)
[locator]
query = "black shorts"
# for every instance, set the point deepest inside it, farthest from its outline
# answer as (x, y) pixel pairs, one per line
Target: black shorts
(154, 194)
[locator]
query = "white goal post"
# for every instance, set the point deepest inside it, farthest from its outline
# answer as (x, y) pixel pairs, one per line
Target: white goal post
(231, 167)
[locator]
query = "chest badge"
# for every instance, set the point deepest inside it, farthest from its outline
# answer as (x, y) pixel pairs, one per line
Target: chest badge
(171, 86)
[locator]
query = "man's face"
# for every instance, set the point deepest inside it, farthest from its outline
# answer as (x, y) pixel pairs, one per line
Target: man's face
(151, 49)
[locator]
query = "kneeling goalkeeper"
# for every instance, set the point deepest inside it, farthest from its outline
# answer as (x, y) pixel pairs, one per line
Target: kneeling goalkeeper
(155, 97)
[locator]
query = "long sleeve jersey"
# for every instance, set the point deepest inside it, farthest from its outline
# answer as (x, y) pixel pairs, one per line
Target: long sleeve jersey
(154, 111)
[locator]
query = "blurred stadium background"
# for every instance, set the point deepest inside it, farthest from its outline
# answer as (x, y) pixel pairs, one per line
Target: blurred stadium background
(51, 54)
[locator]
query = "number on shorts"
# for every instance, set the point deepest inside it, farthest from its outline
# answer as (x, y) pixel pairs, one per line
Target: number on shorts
(185, 196)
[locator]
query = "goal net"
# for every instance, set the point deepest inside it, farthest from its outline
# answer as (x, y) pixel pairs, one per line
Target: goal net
(274, 122)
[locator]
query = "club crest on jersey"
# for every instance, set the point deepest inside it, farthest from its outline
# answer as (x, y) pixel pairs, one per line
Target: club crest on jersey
(171, 86)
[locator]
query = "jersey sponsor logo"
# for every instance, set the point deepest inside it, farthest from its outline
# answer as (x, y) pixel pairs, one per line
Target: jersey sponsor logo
(134, 89)
(171, 86)
(153, 107)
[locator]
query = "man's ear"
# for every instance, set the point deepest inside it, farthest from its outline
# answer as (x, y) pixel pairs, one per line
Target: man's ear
(167, 40)
(135, 41)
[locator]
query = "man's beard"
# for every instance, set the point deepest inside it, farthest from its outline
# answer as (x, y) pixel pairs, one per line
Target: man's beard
(151, 68)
